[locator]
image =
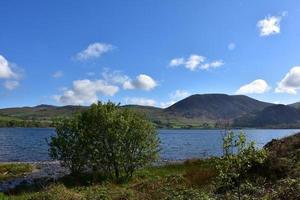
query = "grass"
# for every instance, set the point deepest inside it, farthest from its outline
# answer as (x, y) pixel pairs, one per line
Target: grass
(10, 171)
(159, 182)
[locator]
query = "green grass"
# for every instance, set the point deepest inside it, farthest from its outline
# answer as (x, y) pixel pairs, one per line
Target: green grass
(151, 183)
(10, 171)
(8, 118)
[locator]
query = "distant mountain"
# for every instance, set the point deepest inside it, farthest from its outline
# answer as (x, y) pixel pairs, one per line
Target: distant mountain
(199, 110)
(273, 116)
(216, 106)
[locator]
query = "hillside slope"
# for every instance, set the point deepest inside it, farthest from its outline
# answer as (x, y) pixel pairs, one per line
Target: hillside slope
(216, 106)
(273, 116)
(41, 112)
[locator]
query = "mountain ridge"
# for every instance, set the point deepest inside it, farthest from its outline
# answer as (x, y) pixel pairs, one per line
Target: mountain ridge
(198, 110)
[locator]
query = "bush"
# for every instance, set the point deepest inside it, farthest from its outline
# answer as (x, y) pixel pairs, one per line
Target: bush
(238, 160)
(105, 139)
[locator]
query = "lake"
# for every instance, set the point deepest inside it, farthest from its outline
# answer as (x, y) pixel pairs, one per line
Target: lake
(29, 144)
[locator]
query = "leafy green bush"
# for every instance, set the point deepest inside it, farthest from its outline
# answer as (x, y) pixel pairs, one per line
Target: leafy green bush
(238, 159)
(105, 139)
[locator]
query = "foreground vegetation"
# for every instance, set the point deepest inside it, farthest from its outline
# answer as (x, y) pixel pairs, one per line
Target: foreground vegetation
(277, 178)
(10, 171)
(109, 151)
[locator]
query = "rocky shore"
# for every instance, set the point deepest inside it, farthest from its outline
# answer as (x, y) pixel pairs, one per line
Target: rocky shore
(46, 170)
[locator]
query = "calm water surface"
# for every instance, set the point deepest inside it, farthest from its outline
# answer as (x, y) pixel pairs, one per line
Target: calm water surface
(29, 144)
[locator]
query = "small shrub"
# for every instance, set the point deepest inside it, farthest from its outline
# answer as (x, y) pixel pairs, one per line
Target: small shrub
(238, 160)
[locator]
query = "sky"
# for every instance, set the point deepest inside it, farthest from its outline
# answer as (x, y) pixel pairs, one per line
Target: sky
(147, 52)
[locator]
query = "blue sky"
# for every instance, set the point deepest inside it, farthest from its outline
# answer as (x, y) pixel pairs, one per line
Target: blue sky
(147, 52)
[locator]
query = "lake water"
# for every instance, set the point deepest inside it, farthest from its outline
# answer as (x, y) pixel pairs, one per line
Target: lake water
(29, 144)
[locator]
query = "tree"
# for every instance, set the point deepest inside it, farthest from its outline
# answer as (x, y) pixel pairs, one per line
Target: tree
(105, 139)
(239, 157)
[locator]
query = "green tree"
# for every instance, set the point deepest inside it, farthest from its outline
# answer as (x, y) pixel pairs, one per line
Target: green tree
(105, 139)
(239, 157)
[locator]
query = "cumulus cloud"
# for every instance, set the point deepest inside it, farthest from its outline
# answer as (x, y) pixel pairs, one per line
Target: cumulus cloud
(179, 94)
(115, 77)
(174, 97)
(142, 81)
(176, 62)
(258, 86)
(6, 71)
(194, 62)
(231, 46)
(140, 101)
(11, 84)
(84, 92)
(290, 83)
(214, 64)
(57, 74)
(94, 50)
(270, 25)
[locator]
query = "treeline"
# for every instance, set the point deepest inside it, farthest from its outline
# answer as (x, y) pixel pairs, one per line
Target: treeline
(25, 123)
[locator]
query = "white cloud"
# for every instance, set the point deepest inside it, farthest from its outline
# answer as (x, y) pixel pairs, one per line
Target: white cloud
(214, 64)
(258, 86)
(166, 104)
(94, 50)
(194, 62)
(176, 62)
(85, 92)
(57, 74)
(140, 101)
(179, 94)
(270, 25)
(6, 71)
(174, 97)
(231, 46)
(115, 77)
(290, 83)
(11, 84)
(142, 81)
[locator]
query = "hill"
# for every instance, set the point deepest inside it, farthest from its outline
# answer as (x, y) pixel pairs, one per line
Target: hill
(196, 111)
(216, 106)
(41, 112)
(275, 116)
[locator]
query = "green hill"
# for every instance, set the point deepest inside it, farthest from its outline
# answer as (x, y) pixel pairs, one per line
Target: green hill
(196, 111)
(275, 116)
(216, 106)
